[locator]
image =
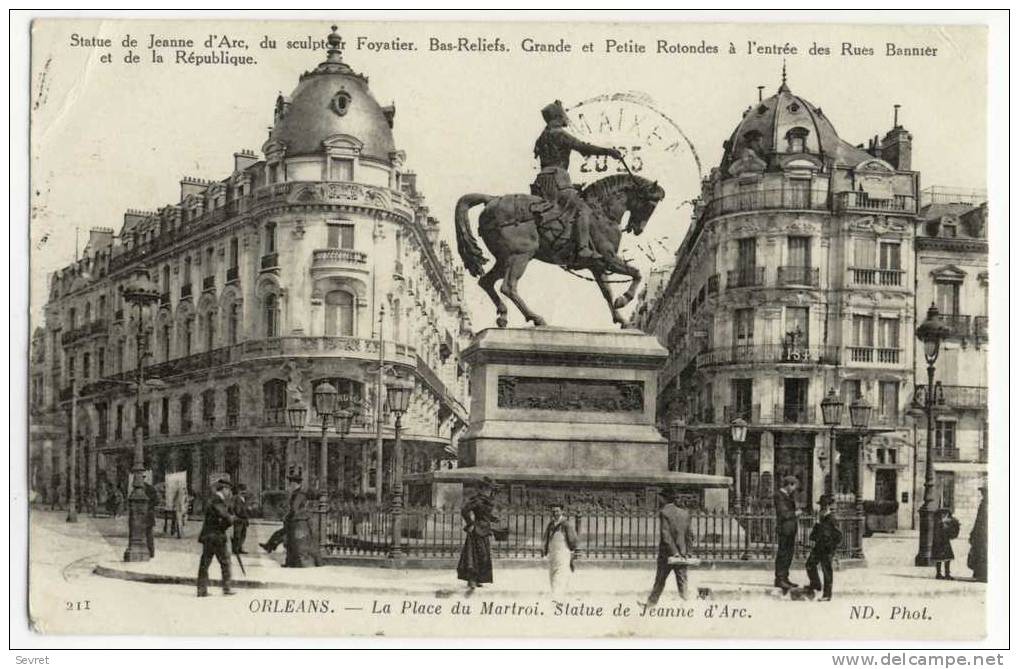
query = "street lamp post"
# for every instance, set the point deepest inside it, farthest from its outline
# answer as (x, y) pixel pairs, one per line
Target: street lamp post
(738, 429)
(859, 416)
(398, 399)
(139, 291)
(931, 332)
(325, 397)
(831, 414)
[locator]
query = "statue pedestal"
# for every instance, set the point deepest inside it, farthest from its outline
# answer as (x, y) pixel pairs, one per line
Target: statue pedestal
(569, 416)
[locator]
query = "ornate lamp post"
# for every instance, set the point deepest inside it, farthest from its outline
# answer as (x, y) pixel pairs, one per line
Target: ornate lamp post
(831, 414)
(398, 399)
(677, 436)
(859, 416)
(325, 406)
(931, 332)
(139, 291)
(738, 432)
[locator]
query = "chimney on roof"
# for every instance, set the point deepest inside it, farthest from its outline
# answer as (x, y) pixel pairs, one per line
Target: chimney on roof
(244, 159)
(192, 186)
(897, 147)
(100, 238)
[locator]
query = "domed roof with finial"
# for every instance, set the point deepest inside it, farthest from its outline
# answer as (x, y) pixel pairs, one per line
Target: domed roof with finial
(786, 124)
(333, 100)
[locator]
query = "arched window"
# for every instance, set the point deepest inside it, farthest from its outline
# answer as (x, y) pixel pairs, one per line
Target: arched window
(797, 138)
(270, 314)
(233, 323)
(339, 313)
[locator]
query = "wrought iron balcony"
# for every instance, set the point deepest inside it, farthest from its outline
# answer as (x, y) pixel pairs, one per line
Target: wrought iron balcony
(945, 454)
(959, 397)
(751, 413)
(96, 327)
(876, 276)
(980, 327)
(208, 284)
(793, 275)
(185, 291)
(274, 416)
(232, 274)
(799, 414)
(860, 200)
(704, 414)
(742, 354)
(713, 282)
(958, 324)
(745, 277)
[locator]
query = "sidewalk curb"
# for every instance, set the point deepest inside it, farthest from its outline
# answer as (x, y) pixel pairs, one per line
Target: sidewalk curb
(454, 589)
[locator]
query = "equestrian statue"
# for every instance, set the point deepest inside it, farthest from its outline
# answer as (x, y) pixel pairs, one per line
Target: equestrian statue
(558, 223)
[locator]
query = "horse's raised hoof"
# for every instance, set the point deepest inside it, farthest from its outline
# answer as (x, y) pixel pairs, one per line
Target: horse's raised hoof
(501, 321)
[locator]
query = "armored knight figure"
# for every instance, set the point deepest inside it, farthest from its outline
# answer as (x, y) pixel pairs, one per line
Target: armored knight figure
(553, 148)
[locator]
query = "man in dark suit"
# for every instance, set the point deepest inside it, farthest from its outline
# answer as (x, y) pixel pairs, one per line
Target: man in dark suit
(239, 508)
(213, 538)
(150, 514)
(676, 539)
(825, 537)
(785, 531)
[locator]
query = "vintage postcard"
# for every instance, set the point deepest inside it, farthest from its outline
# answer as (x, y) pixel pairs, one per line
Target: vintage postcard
(556, 329)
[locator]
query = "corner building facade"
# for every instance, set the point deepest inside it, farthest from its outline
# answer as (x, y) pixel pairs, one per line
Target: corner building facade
(793, 279)
(316, 262)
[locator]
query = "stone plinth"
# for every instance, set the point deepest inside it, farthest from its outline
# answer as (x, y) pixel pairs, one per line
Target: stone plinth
(568, 414)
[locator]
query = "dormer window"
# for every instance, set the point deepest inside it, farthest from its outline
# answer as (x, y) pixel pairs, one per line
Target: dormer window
(949, 230)
(796, 140)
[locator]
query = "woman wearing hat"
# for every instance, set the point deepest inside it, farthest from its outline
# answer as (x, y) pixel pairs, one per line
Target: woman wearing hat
(478, 512)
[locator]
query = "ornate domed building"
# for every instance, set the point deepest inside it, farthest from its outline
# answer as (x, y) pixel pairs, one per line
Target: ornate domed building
(793, 279)
(316, 262)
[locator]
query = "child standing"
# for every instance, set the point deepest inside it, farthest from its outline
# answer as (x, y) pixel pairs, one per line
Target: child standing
(826, 538)
(946, 528)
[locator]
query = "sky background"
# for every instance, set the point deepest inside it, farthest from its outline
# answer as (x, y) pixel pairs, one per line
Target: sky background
(108, 137)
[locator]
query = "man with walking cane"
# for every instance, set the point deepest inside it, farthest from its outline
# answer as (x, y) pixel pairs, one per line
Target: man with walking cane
(218, 520)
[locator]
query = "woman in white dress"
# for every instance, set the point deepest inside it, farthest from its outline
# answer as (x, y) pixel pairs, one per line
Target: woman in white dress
(560, 544)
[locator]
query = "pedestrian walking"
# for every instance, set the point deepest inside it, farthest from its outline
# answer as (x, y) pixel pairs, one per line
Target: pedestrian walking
(560, 545)
(241, 513)
(977, 558)
(675, 545)
(825, 537)
(786, 514)
(213, 538)
(179, 509)
(475, 565)
(946, 528)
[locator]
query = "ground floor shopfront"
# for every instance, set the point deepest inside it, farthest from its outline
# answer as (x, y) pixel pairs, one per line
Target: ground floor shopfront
(874, 467)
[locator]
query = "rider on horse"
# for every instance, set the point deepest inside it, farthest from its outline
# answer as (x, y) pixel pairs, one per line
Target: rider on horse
(553, 148)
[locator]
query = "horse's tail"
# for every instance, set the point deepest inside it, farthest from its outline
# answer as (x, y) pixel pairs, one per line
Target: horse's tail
(466, 243)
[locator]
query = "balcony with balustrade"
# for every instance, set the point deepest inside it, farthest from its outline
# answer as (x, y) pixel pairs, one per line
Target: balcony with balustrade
(94, 328)
(794, 414)
(333, 261)
(980, 327)
(875, 355)
(958, 397)
(767, 199)
(861, 201)
(793, 275)
(877, 276)
(751, 413)
(792, 354)
(745, 277)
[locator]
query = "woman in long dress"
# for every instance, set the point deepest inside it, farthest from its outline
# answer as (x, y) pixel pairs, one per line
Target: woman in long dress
(478, 513)
(560, 543)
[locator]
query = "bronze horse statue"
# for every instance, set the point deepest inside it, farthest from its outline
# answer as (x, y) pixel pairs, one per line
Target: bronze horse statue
(518, 227)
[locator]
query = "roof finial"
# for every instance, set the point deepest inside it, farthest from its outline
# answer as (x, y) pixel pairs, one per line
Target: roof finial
(334, 42)
(784, 86)
(895, 123)
(760, 93)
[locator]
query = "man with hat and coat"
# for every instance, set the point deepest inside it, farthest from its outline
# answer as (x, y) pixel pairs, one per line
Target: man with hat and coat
(212, 536)
(676, 539)
(825, 537)
(478, 513)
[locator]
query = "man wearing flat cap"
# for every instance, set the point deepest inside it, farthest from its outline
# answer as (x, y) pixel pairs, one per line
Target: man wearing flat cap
(676, 540)
(218, 520)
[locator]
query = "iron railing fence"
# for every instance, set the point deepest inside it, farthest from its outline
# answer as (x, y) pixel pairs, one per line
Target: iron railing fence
(366, 529)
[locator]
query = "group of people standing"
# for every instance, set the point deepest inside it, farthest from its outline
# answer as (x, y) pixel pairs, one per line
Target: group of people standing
(677, 541)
